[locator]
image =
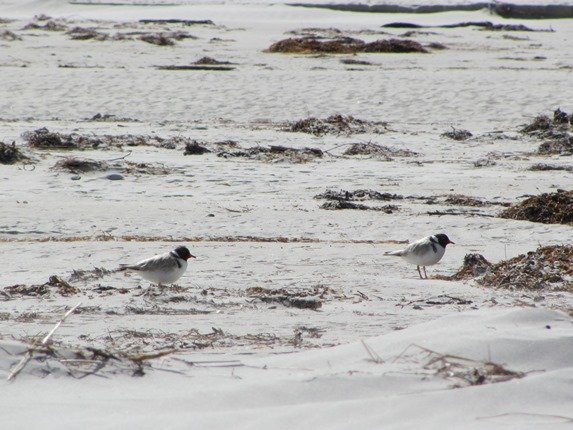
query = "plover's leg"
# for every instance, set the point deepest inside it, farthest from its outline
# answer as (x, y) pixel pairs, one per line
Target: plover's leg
(419, 273)
(425, 274)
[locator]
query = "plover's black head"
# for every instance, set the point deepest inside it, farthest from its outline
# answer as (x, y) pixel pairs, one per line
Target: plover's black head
(183, 253)
(443, 240)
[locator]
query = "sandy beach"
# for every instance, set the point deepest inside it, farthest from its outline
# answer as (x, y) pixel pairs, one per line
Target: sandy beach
(127, 130)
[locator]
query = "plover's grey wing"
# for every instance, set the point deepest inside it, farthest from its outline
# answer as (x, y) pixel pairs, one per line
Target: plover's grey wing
(421, 247)
(160, 262)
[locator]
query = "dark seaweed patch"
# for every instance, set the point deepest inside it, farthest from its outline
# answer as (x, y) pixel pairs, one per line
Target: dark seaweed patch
(548, 208)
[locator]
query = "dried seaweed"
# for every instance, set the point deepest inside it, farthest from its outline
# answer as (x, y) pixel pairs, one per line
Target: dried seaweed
(457, 134)
(274, 153)
(547, 208)
(336, 124)
(10, 154)
(42, 138)
(344, 45)
(55, 284)
(474, 265)
(548, 267)
(357, 195)
(9, 36)
(542, 167)
(378, 151)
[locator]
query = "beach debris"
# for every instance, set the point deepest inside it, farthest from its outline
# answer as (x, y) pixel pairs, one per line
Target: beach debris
(42, 138)
(194, 148)
(354, 62)
(541, 167)
(204, 63)
(299, 298)
(28, 355)
(377, 151)
(343, 195)
(342, 204)
(83, 33)
(54, 284)
(560, 146)
(439, 300)
(186, 22)
(85, 165)
(9, 36)
(81, 165)
(336, 124)
(483, 25)
(548, 267)
(547, 208)
(165, 39)
(457, 134)
(274, 153)
(10, 154)
(474, 266)
(555, 131)
(344, 45)
(158, 39)
(50, 25)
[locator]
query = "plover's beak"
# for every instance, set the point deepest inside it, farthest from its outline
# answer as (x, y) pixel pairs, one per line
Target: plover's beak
(449, 241)
(192, 256)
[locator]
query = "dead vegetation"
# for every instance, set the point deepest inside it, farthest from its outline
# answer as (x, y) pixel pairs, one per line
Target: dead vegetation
(483, 25)
(85, 165)
(185, 22)
(375, 150)
(457, 134)
(547, 208)
(42, 138)
(336, 124)
(10, 154)
(347, 197)
(9, 36)
(474, 266)
(548, 267)
(301, 299)
(50, 25)
(55, 285)
(273, 153)
(344, 45)
(556, 133)
(542, 167)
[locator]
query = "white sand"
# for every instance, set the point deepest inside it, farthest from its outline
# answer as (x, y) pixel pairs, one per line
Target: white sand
(484, 82)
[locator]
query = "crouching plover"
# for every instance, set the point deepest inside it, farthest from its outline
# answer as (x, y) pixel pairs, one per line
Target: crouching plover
(424, 252)
(162, 269)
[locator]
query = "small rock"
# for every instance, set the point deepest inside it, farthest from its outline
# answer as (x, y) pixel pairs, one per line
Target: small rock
(76, 178)
(115, 177)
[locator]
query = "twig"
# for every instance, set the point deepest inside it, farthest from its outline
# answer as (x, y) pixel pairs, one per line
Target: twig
(527, 414)
(374, 357)
(121, 158)
(28, 354)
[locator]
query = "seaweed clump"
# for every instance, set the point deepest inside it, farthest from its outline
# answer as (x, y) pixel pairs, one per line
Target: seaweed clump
(474, 265)
(274, 153)
(555, 131)
(377, 151)
(547, 208)
(344, 45)
(335, 124)
(548, 267)
(10, 154)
